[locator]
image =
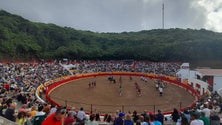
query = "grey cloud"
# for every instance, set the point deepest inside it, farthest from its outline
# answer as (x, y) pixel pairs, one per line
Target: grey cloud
(109, 15)
(185, 14)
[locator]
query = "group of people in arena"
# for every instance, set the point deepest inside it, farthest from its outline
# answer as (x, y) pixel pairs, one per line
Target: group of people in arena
(18, 103)
(160, 85)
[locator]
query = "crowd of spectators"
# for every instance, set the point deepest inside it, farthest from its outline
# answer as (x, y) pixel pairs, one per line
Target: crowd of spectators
(206, 112)
(162, 68)
(18, 83)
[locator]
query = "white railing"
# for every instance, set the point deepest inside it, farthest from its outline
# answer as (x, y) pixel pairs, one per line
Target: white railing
(37, 95)
(219, 91)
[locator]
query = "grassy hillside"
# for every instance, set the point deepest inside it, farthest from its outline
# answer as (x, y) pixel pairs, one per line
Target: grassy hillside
(25, 40)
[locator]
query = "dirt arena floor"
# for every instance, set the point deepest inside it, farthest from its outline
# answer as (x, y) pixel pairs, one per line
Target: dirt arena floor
(105, 98)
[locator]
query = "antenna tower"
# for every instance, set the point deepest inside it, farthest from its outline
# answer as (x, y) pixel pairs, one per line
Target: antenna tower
(163, 14)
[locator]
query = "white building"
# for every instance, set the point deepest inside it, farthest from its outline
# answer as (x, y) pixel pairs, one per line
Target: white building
(202, 79)
(211, 76)
(184, 72)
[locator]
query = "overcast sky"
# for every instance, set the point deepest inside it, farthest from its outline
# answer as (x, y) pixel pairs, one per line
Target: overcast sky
(120, 15)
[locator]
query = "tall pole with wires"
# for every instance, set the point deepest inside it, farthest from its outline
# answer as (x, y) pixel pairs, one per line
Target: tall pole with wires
(162, 14)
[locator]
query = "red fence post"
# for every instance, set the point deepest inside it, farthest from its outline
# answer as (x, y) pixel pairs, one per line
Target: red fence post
(154, 109)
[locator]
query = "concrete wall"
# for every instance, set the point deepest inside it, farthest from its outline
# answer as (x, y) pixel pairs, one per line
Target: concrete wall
(4, 121)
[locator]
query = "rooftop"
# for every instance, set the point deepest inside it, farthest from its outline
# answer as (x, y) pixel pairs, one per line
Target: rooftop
(210, 72)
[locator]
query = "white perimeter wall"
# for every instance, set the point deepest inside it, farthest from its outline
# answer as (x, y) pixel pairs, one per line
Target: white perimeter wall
(201, 83)
(217, 83)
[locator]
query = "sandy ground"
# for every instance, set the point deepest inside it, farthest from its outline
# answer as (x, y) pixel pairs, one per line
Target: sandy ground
(105, 98)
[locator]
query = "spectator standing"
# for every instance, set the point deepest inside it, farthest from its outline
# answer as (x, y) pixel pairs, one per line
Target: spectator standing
(1, 107)
(23, 108)
(55, 118)
(184, 120)
(69, 120)
(91, 120)
(28, 119)
(119, 120)
(46, 109)
(206, 110)
(128, 120)
(175, 115)
(108, 118)
(81, 116)
(142, 121)
(160, 116)
(145, 115)
(52, 109)
(214, 119)
(195, 119)
(156, 122)
(97, 117)
(73, 112)
(187, 115)
(22, 118)
(205, 119)
(152, 119)
(40, 116)
(135, 116)
(10, 112)
(33, 111)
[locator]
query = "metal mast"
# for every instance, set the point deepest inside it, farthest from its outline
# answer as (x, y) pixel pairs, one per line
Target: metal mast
(163, 14)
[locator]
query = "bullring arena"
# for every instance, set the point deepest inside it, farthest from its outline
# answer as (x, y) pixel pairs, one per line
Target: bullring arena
(105, 96)
(54, 84)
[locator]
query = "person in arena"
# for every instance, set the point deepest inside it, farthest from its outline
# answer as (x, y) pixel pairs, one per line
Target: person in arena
(161, 90)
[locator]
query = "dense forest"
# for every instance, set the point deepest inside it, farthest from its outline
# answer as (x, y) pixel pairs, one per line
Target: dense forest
(22, 39)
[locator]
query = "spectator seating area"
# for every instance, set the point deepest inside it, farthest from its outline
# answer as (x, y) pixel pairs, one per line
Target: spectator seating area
(19, 81)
